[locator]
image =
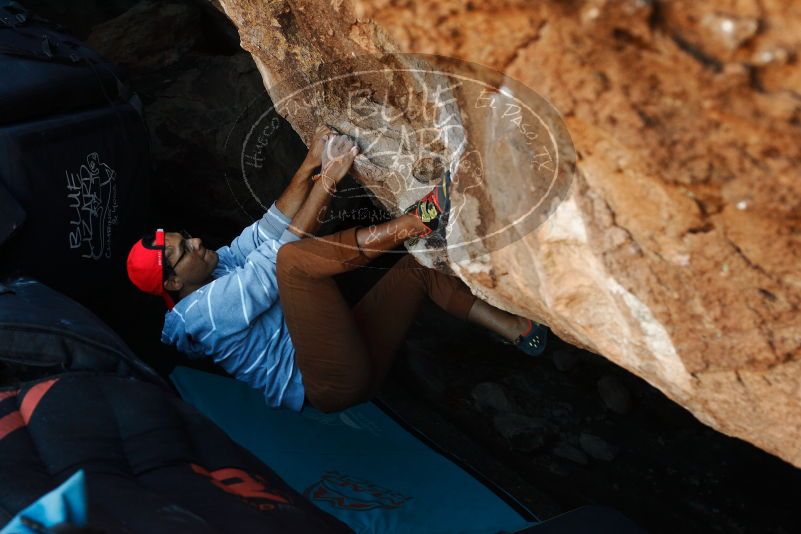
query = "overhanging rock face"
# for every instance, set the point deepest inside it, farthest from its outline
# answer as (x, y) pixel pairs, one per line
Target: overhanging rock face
(676, 249)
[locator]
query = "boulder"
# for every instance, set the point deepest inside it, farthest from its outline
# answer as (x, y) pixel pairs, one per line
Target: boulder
(567, 451)
(199, 90)
(597, 447)
(673, 249)
(523, 433)
(149, 35)
(491, 396)
(614, 394)
(565, 359)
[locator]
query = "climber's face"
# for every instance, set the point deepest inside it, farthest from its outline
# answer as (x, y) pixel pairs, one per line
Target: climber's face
(190, 262)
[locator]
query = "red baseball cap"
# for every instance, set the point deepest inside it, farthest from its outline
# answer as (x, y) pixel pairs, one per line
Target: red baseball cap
(146, 266)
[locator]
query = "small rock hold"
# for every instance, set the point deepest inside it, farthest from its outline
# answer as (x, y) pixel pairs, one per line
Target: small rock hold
(736, 70)
(569, 452)
(597, 448)
(614, 394)
(731, 31)
(771, 56)
(591, 14)
(489, 395)
(565, 359)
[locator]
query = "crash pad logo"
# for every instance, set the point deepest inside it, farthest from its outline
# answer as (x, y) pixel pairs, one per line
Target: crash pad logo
(92, 200)
(351, 493)
(251, 487)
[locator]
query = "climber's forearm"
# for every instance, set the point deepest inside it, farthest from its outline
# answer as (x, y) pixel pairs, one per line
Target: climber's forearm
(296, 192)
(308, 218)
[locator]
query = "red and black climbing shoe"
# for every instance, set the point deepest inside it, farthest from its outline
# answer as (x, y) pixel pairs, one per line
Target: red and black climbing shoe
(533, 340)
(433, 209)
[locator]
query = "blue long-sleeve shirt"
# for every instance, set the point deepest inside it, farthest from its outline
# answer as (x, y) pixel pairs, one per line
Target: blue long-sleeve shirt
(237, 318)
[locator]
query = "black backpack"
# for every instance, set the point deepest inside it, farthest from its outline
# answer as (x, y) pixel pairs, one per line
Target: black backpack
(74, 159)
(74, 397)
(46, 71)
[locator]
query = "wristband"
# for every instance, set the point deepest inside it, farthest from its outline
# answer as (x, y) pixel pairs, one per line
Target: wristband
(329, 183)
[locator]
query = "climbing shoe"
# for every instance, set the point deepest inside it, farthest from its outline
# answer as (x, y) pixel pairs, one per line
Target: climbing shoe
(533, 340)
(433, 209)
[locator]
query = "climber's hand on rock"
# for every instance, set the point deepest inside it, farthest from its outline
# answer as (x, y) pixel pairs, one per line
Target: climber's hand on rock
(338, 157)
(317, 146)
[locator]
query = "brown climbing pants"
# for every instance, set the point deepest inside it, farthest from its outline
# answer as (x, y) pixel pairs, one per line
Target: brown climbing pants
(343, 353)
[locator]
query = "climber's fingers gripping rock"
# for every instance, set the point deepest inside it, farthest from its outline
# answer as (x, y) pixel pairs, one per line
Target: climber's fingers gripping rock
(320, 139)
(338, 157)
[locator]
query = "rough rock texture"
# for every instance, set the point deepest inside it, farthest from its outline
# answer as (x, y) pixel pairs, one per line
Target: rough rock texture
(697, 479)
(196, 84)
(676, 254)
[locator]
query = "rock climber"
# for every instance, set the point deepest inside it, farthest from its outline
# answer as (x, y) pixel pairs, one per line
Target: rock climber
(267, 310)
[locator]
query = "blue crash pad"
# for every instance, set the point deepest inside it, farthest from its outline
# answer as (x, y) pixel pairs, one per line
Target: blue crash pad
(65, 504)
(358, 465)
